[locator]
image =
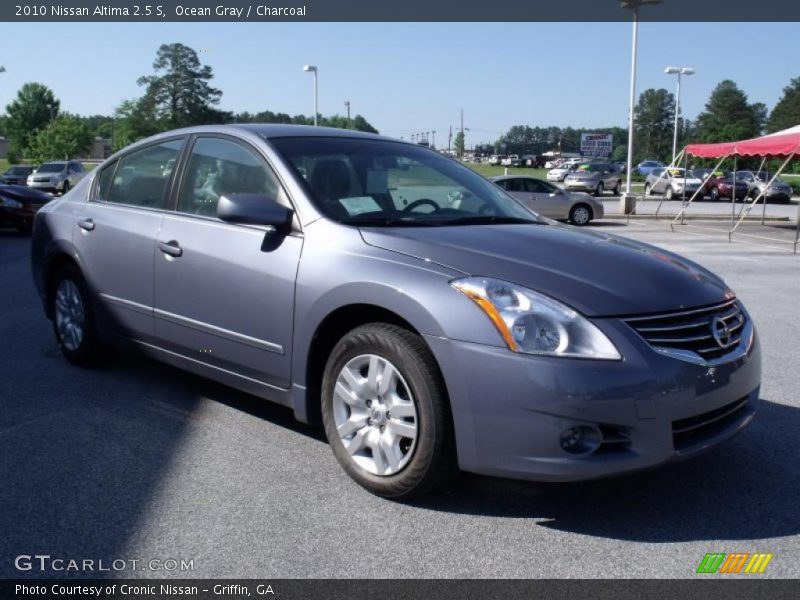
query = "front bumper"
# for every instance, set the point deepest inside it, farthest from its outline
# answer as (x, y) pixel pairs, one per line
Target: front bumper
(510, 410)
(581, 186)
(17, 217)
(48, 186)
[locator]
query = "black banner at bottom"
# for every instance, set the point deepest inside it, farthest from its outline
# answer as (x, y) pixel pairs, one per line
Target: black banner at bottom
(403, 589)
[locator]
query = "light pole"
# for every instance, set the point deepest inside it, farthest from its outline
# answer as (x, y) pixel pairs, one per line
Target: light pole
(347, 106)
(628, 201)
(677, 71)
(313, 69)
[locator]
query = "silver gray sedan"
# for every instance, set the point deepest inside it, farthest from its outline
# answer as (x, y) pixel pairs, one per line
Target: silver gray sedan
(551, 201)
(426, 319)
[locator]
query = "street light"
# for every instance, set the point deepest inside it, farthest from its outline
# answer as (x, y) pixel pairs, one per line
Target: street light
(313, 69)
(677, 71)
(628, 201)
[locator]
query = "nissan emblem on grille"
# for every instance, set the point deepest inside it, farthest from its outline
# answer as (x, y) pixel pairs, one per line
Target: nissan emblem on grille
(721, 332)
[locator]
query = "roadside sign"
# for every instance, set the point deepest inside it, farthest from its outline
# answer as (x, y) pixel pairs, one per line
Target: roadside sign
(596, 144)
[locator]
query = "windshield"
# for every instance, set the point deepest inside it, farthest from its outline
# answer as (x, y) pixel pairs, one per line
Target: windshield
(51, 168)
(382, 183)
(18, 171)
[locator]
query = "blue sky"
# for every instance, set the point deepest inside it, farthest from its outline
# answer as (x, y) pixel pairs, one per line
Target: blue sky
(411, 77)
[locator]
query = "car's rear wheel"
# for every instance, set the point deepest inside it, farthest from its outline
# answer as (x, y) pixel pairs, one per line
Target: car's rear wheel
(386, 412)
(617, 188)
(73, 318)
(600, 189)
(580, 214)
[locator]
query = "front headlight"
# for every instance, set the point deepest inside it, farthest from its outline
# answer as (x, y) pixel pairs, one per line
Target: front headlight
(532, 323)
(9, 203)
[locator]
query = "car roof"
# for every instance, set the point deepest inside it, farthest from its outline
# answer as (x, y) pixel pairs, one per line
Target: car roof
(504, 177)
(279, 130)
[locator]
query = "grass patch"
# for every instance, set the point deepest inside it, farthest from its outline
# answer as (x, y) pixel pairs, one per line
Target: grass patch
(494, 170)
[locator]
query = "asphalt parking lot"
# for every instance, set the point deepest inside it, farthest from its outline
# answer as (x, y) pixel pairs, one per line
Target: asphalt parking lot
(140, 461)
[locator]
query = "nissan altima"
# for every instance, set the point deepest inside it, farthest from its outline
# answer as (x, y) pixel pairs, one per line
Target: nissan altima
(424, 317)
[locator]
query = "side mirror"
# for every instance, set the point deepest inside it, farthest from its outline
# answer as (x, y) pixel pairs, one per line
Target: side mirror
(255, 209)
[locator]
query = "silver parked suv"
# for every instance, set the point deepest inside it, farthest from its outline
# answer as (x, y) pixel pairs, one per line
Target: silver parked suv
(594, 177)
(57, 176)
(426, 318)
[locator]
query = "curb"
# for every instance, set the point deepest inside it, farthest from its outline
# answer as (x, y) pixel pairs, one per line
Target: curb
(692, 217)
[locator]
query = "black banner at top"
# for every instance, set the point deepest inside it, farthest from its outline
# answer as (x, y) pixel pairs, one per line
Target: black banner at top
(398, 10)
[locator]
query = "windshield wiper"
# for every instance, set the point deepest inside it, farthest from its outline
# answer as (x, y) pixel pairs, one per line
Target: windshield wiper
(392, 222)
(493, 220)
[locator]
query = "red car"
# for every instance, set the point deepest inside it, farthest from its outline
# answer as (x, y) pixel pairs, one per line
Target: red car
(719, 185)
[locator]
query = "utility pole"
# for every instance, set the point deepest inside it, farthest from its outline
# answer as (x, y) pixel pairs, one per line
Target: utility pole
(347, 105)
(463, 141)
(433, 140)
(449, 138)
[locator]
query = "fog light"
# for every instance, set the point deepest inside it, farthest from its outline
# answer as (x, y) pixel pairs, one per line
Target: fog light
(581, 439)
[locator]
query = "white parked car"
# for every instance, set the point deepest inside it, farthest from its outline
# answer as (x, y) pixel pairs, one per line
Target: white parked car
(558, 174)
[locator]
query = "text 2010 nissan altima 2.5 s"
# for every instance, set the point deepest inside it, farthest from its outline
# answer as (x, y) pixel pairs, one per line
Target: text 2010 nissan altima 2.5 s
(429, 320)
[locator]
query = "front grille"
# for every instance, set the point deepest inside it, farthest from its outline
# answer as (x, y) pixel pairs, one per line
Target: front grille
(41, 179)
(695, 430)
(693, 330)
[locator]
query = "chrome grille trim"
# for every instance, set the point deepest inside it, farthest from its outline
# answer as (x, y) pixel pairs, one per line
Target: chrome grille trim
(687, 334)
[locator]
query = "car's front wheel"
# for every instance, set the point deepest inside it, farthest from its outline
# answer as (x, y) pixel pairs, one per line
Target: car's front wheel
(73, 318)
(580, 214)
(386, 412)
(65, 187)
(600, 189)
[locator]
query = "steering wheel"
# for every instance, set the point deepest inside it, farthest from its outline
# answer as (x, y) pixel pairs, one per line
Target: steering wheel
(421, 202)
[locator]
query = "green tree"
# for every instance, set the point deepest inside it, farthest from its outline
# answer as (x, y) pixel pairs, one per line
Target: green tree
(34, 107)
(179, 90)
(728, 116)
(458, 144)
(786, 112)
(64, 138)
(135, 119)
(654, 125)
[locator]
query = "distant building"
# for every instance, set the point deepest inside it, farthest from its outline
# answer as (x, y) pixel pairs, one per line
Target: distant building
(100, 149)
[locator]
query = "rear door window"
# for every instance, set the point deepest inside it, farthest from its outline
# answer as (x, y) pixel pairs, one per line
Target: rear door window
(141, 177)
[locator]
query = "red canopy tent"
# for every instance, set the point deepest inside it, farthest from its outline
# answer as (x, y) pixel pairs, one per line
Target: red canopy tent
(782, 145)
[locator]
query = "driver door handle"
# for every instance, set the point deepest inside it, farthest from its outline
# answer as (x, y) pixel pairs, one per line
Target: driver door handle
(171, 248)
(86, 224)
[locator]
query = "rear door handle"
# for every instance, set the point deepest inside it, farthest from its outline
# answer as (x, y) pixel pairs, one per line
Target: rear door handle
(171, 248)
(86, 224)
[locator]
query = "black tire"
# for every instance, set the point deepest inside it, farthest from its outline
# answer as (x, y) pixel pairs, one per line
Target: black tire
(669, 194)
(88, 351)
(576, 214)
(433, 462)
(618, 188)
(65, 187)
(600, 189)
(714, 195)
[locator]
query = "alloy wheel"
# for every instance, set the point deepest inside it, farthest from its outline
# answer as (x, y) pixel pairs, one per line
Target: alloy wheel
(69, 315)
(375, 414)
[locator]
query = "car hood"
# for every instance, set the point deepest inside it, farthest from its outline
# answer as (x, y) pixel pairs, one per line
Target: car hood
(597, 274)
(24, 194)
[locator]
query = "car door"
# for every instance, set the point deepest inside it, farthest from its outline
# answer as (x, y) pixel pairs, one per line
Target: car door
(223, 297)
(115, 237)
(546, 199)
